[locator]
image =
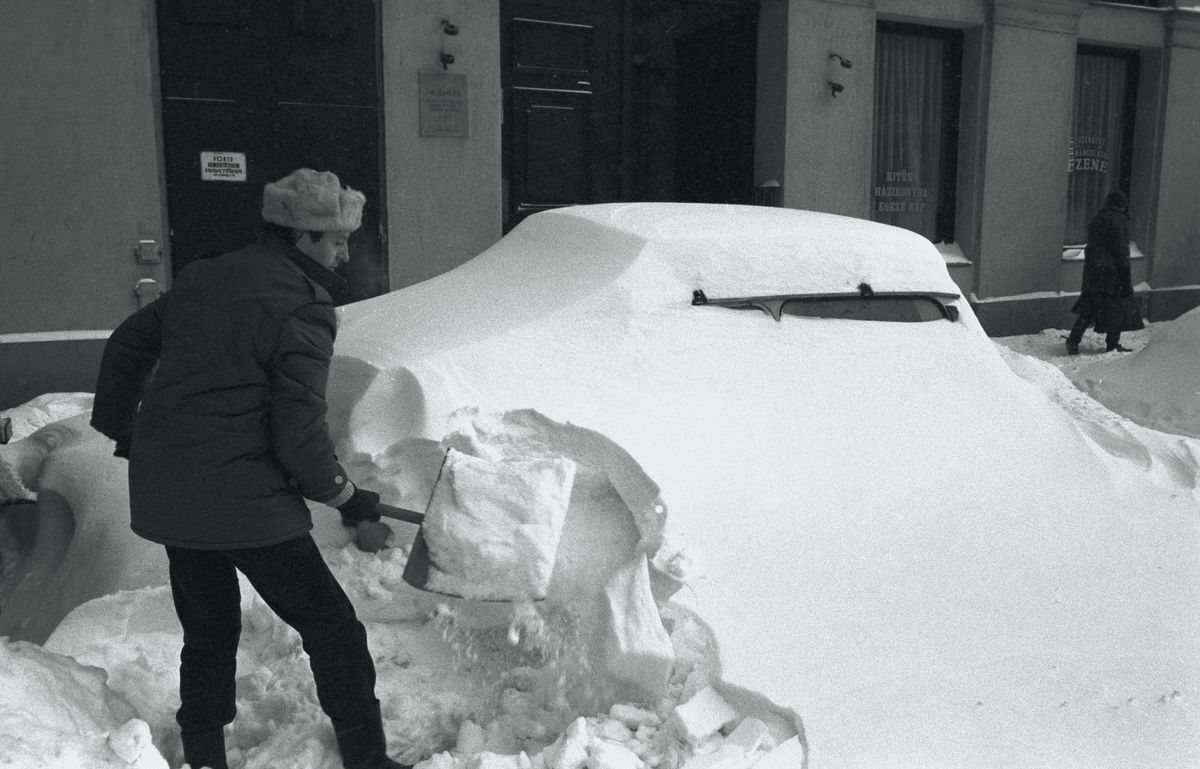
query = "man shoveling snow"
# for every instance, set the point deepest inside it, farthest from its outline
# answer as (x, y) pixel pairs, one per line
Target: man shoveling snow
(229, 439)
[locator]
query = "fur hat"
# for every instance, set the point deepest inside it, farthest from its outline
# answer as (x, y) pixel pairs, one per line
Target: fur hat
(312, 200)
(1117, 200)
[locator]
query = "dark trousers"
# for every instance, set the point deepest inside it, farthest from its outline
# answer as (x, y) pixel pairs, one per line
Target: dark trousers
(293, 579)
(1111, 339)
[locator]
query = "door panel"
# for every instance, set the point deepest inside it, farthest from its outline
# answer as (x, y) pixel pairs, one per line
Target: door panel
(289, 83)
(609, 100)
(553, 131)
(561, 79)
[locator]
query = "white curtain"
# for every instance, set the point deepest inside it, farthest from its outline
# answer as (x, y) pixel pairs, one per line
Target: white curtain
(1097, 133)
(909, 110)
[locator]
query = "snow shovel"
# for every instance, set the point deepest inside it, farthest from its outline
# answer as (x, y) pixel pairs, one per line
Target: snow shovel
(490, 530)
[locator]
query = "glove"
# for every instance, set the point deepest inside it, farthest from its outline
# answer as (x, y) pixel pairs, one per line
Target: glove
(373, 536)
(122, 449)
(360, 507)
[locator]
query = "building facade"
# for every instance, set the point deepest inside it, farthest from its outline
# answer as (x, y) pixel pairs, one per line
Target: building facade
(137, 134)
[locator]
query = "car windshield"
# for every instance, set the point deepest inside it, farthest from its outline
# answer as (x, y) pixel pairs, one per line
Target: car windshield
(866, 304)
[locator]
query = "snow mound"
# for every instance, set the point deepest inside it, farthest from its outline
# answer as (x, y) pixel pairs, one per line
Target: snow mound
(58, 714)
(1171, 461)
(45, 409)
(1157, 386)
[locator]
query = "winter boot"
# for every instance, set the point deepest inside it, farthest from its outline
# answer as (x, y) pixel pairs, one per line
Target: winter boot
(205, 749)
(364, 745)
(1072, 347)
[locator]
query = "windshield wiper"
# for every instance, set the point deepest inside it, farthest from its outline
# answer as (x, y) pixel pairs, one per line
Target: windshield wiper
(865, 304)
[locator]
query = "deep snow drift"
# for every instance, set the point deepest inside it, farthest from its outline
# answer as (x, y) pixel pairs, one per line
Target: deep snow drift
(1158, 386)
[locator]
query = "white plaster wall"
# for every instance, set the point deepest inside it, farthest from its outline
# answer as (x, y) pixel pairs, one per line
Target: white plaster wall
(1177, 240)
(79, 162)
(444, 194)
(1025, 184)
(827, 164)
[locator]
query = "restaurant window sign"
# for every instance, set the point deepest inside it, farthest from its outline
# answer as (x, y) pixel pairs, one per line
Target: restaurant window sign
(918, 74)
(1099, 149)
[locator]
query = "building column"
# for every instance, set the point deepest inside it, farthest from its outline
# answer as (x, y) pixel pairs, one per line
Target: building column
(1176, 255)
(1031, 86)
(827, 154)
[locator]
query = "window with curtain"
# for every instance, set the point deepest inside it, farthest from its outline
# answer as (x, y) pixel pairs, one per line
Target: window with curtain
(918, 74)
(1100, 147)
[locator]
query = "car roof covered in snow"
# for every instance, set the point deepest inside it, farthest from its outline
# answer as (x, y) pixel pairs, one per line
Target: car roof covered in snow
(734, 250)
(653, 255)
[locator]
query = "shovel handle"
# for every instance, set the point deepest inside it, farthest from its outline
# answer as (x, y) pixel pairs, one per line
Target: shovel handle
(399, 513)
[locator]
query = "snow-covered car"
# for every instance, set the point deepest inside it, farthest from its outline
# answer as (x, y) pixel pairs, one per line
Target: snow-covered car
(906, 544)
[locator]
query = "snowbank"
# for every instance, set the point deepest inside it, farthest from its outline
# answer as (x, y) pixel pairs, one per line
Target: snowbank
(463, 684)
(1159, 385)
(58, 714)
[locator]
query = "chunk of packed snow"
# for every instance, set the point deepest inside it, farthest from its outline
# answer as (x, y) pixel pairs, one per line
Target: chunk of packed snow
(492, 527)
(702, 716)
(572, 751)
(637, 649)
(131, 740)
(724, 757)
(489, 760)
(611, 755)
(524, 433)
(634, 717)
(470, 738)
(788, 755)
(748, 734)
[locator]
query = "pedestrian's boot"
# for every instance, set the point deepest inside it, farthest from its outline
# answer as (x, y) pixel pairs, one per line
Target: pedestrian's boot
(364, 746)
(1072, 347)
(205, 748)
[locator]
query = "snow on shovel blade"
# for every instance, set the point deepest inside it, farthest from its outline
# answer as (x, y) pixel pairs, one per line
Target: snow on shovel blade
(491, 529)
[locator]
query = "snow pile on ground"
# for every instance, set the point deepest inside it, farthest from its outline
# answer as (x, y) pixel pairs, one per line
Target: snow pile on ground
(1158, 386)
(59, 714)
(464, 684)
(1134, 405)
(454, 705)
(1170, 460)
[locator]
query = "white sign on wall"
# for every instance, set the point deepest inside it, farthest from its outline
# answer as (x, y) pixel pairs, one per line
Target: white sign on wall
(223, 166)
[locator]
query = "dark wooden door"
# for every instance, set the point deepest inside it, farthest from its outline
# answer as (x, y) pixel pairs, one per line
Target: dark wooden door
(609, 100)
(284, 84)
(561, 77)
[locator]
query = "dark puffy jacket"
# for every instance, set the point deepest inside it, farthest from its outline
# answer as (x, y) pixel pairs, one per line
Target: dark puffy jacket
(231, 433)
(1106, 257)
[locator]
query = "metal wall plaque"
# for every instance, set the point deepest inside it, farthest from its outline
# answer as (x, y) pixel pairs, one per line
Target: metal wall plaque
(223, 166)
(444, 104)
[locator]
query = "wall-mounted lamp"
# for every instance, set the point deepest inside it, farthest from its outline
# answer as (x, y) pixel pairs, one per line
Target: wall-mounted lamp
(835, 88)
(841, 60)
(447, 59)
(448, 28)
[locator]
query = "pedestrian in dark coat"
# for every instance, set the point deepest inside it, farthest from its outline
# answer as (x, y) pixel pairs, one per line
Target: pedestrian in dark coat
(215, 393)
(1106, 295)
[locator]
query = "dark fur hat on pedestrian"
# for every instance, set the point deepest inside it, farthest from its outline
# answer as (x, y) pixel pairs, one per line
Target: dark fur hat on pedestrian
(1117, 200)
(313, 201)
